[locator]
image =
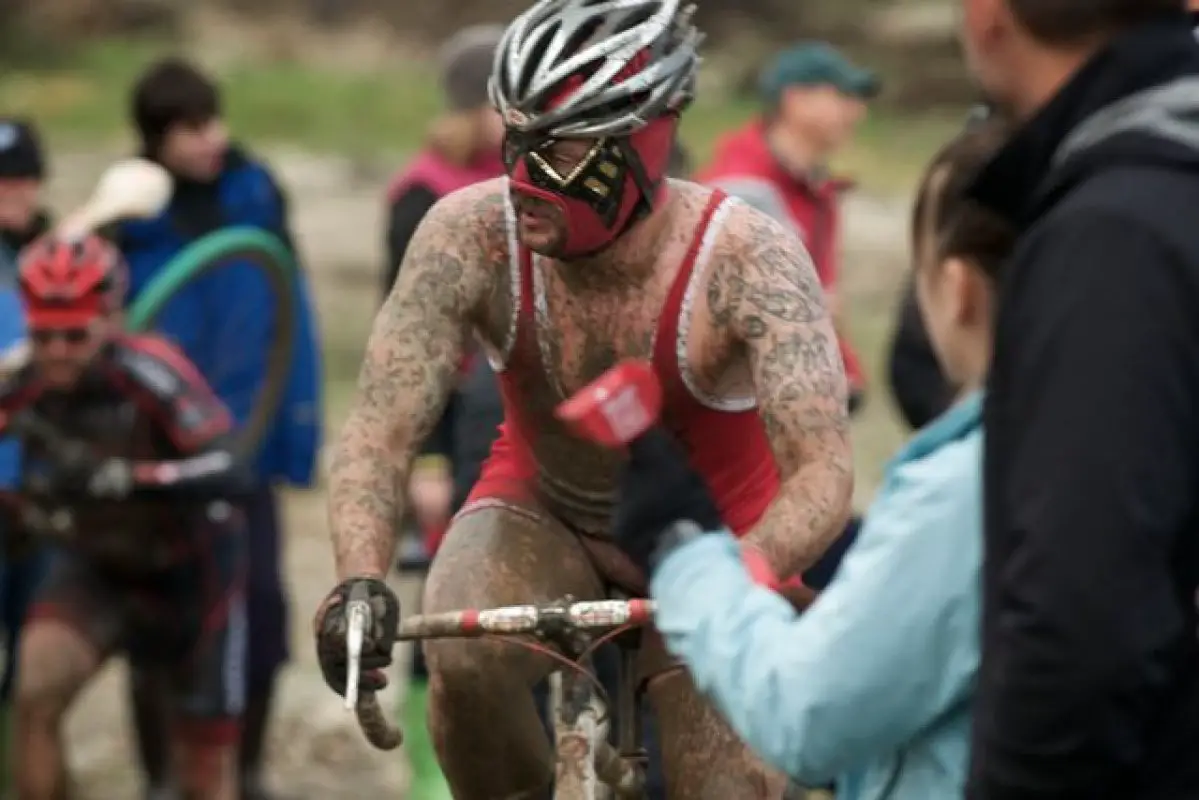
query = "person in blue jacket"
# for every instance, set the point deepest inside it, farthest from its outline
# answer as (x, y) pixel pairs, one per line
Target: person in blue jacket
(871, 686)
(22, 219)
(177, 114)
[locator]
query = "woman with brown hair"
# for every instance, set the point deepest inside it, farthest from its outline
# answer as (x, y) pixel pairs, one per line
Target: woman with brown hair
(872, 685)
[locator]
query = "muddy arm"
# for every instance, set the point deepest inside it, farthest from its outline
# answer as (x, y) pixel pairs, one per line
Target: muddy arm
(411, 363)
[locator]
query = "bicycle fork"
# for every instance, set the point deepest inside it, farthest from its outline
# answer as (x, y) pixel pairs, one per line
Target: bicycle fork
(587, 765)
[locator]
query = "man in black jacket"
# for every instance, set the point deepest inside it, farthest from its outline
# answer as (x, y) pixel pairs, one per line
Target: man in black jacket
(1089, 685)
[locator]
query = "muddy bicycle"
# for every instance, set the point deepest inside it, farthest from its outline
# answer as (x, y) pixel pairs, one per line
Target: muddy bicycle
(589, 766)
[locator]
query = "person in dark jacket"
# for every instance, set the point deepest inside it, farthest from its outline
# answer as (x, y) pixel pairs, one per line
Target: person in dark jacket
(176, 111)
(1089, 683)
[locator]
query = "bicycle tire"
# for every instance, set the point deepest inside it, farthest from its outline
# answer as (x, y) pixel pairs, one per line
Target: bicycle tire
(207, 255)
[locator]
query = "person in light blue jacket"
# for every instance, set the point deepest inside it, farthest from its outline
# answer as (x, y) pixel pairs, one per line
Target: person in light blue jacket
(871, 686)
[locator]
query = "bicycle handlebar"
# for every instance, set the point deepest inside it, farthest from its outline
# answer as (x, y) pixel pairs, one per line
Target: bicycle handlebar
(51, 513)
(546, 618)
(515, 620)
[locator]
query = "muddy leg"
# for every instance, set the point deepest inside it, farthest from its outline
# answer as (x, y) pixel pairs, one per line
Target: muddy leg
(702, 758)
(488, 736)
(56, 661)
(72, 628)
(207, 769)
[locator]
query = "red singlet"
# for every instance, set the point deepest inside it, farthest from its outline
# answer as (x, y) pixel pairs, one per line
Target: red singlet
(726, 440)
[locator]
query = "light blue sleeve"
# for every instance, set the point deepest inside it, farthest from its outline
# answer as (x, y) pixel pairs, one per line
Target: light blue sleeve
(886, 649)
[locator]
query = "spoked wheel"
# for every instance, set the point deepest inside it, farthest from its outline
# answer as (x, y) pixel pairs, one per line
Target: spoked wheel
(229, 302)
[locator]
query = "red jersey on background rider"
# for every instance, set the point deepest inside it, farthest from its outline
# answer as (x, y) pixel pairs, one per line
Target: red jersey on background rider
(126, 449)
(777, 163)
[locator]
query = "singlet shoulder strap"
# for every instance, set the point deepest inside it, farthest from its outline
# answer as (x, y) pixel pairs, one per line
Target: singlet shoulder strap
(520, 282)
(666, 357)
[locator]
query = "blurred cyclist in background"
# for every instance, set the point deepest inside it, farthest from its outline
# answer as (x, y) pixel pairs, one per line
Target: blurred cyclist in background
(22, 219)
(147, 570)
(814, 99)
(177, 114)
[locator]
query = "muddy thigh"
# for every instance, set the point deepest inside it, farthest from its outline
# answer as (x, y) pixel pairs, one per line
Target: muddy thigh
(484, 724)
(702, 759)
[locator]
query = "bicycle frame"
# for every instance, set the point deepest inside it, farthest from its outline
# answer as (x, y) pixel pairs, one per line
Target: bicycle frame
(588, 766)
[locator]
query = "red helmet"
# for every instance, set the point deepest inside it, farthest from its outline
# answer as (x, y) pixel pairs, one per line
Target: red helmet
(70, 282)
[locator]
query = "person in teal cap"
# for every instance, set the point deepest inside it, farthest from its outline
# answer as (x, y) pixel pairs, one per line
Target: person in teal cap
(813, 99)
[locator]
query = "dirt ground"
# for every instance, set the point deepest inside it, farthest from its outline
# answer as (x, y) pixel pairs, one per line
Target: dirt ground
(316, 750)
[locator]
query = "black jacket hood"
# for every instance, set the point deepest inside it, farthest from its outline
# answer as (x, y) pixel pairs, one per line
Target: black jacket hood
(1136, 102)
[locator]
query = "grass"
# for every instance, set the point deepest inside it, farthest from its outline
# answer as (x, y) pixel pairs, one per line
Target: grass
(357, 112)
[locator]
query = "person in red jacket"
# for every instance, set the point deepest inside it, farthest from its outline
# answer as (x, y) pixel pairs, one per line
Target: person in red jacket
(814, 99)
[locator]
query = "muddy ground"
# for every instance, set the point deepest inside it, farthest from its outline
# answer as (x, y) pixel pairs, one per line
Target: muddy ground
(317, 751)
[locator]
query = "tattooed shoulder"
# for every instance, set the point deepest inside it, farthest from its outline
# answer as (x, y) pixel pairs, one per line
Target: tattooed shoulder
(447, 284)
(764, 292)
(762, 265)
(459, 251)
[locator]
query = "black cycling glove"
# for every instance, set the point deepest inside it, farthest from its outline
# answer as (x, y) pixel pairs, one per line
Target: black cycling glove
(658, 489)
(332, 624)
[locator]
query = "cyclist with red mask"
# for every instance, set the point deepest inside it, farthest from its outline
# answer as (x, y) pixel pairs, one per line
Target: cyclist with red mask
(122, 433)
(586, 255)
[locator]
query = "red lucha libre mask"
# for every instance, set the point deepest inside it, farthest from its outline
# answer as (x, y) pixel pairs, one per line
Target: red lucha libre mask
(617, 181)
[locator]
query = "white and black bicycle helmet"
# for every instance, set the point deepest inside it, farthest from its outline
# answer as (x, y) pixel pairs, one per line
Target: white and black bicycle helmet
(595, 68)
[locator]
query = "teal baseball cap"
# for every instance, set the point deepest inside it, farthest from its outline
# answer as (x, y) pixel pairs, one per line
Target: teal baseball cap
(816, 64)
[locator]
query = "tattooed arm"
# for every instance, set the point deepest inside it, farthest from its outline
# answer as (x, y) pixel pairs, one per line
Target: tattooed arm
(766, 291)
(411, 362)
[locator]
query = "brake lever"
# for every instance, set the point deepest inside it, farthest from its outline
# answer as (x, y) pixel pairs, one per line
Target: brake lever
(380, 731)
(358, 616)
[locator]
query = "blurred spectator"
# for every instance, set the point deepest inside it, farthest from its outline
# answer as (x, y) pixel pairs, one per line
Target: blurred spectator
(22, 219)
(462, 145)
(814, 99)
(22, 173)
(177, 114)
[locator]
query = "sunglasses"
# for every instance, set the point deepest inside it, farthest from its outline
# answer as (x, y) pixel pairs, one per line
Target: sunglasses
(45, 336)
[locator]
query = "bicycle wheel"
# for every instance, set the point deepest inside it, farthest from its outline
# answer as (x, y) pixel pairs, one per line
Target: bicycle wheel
(189, 302)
